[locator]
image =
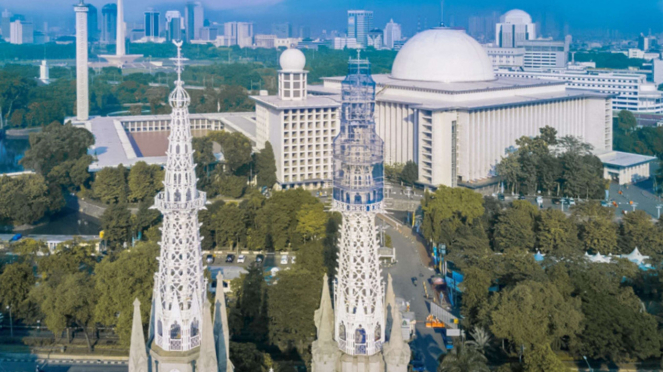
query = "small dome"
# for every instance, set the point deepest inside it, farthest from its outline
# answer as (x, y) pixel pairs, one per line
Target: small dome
(516, 16)
(292, 59)
(442, 55)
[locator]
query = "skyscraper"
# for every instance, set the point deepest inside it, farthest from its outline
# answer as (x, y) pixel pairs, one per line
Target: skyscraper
(151, 24)
(21, 32)
(282, 30)
(360, 312)
(82, 95)
(92, 23)
(108, 23)
(392, 34)
(360, 22)
(194, 19)
(304, 32)
(5, 25)
(244, 34)
(184, 334)
(174, 24)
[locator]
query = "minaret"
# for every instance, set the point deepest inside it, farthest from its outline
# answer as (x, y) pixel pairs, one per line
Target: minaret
(82, 98)
(324, 348)
(180, 287)
(358, 196)
(396, 352)
(43, 72)
(120, 40)
(292, 76)
(137, 353)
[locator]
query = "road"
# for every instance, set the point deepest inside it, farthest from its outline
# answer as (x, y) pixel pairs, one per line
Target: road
(10, 365)
(428, 342)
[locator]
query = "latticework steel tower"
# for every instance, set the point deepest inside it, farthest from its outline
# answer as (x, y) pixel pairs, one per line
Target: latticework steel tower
(180, 286)
(358, 195)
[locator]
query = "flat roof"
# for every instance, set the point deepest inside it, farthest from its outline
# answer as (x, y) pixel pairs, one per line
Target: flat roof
(453, 88)
(114, 145)
(618, 159)
(310, 101)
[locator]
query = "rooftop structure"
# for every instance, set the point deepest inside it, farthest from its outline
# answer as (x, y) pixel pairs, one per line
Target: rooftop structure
(624, 167)
(120, 58)
(515, 26)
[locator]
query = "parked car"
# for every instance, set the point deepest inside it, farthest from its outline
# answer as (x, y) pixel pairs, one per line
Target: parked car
(260, 258)
(604, 203)
(230, 258)
(500, 197)
(209, 259)
(572, 202)
(292, 260)
(284, 260)
(15, 238)
(522, 197)
(241, 258)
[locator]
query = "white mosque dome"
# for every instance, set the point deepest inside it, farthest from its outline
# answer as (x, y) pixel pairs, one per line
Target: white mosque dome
(442, 55)
(292, 59)
(516, 16)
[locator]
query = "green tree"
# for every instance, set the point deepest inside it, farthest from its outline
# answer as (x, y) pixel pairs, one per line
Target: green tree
(410, 173)
(231, 186)
(247, 318)
(463, 358)
(446, 210)
(597, 231)
(312, 221)
(119, 281)
(68, 258)
(228, 225)
(533, 313)
(246, 357)
(116, 223)
(110, 185)
(146, 217)
(626, 121)
(510, 170)
(30, 248)
(638, 230)
(16, 282)
(68, 302)
(24, 199)
(266, 166)
(392, 172)
(475, 288)
(557, 234)
(541, 358)
(203, 156)
(144, 181)
(236, 150)
(514, 229)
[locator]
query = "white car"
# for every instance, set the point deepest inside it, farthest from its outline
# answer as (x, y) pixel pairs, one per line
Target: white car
(572, 202)
(292, 260)
(284, 260)
(241, 258)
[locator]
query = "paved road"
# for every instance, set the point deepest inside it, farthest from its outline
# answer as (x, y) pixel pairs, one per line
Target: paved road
(58, 366)
(428, 342)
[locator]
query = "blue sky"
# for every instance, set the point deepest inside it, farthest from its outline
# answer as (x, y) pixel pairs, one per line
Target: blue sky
(627, 16)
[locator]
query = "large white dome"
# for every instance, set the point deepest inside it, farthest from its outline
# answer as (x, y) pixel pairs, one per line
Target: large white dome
(442, 55)
(292, 59)
(516, 16)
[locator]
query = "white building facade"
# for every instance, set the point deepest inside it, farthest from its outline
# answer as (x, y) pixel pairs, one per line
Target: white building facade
(631, 91)
(300, 128)
(515, 26)
(392, 34)
(21, 32)
(511, 57)
(360, 23)
(443, 108)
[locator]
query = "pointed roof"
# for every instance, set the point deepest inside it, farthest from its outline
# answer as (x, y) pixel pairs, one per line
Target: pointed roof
(396, 334)
(390, 297)
(207, 361)
(137, 353)
(324, 316)
(221, 330)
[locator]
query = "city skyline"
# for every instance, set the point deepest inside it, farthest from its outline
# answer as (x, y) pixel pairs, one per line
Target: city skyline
(332, 15)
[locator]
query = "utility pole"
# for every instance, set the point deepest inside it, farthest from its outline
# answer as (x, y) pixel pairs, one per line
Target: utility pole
(11, 322)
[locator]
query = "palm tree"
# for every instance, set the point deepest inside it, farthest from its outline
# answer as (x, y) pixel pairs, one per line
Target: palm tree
(463, 358)
(481, 340)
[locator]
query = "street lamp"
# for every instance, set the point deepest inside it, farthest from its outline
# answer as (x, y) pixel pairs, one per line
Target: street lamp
(588, 366)
(11, 323)
(658, 207)
(38, 326)
(634, 205)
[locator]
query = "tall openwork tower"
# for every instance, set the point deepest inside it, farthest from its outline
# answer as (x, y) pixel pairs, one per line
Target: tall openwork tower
(82, 99)
(358, 195)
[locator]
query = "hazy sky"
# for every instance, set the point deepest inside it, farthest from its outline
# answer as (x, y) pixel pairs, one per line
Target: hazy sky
(627, 16)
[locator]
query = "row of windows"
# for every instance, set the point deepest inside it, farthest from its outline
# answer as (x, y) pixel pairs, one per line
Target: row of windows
(310, 110)
(309, 161)
(303, 169)
(309, 125)
(309, 117)
(310, 154)
(303, 133)
(310, 176)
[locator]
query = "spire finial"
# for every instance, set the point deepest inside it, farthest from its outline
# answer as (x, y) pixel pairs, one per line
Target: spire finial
(179, 66)
(358, 54)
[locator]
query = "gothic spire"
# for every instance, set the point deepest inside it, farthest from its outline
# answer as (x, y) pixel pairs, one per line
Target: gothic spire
(137, 353)
(221, 331)
(324, 316)
(207, 361)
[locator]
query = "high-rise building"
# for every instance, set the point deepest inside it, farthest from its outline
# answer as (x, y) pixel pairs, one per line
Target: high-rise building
(375, 38)
(238, 33)
(92, 23)
(230, 33)
(194, 19)
(151, 24)
(359, 323)
(82, 94)
(120, 58)
(392, 34)
(21, 32)
(515, 26)
(360, 22)
(183, 336)
(44, 73)
(108, 23)
(304, 32)
(174, 25)
(208, 33)
(643, 42)
(5, 25)
(282, 30)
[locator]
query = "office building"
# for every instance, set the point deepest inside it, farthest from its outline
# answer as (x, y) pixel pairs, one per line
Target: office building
(282, 30)
(643, 42)
(300, 128)
(360, 23)
(344, 42)
(545, 53)
(151, 24)
(304, 32)
(21, 32)
(515, 26)
(482, 27)
(230, 33)
(265, 41)
(174, 25)
(108, 23)
(82, 88)
(506, 57)
(375, 38)
(444, 108)
(194, 19)
(92, 23)
(208, 33)
(392, 34)
(630, 91)
(5, 25)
